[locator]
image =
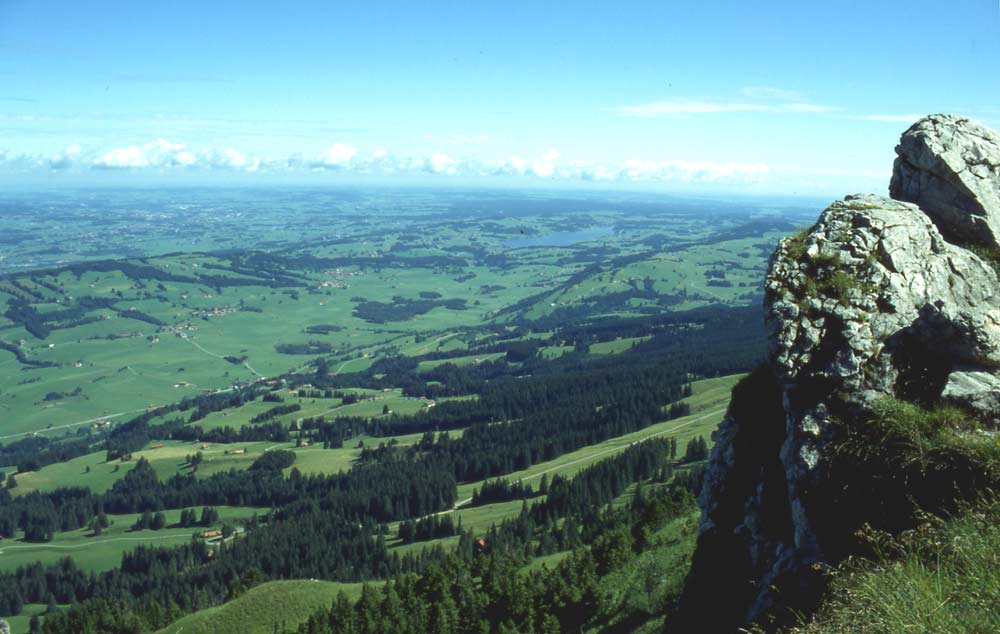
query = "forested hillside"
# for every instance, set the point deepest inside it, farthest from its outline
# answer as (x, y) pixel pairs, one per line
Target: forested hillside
(391, 434)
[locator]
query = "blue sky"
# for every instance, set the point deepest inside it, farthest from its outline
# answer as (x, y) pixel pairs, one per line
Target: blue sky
(770, 97)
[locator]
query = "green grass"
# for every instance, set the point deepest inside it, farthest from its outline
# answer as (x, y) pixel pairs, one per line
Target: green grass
(708, 395)
(123, 370)
(20, 624)
(103, 553)
(944, 579)
(926, 438)
(93, 472)
(424, 366)
(616, 346)
(944, 575)
(634, 598)
(285, 603)
(166, 461)
(708, 403)
(547, 561)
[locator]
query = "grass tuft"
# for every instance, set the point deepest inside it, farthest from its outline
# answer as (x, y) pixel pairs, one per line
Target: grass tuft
(945, 579)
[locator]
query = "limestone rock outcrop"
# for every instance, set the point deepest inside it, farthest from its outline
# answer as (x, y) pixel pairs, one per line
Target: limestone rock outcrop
(950, 167)
(882, 297)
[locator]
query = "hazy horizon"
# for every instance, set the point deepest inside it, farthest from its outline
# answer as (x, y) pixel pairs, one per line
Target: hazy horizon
(785, 99)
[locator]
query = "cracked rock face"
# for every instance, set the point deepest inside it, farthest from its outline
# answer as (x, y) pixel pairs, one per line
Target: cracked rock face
(950, 167)
(880, 298)
(906, 309)
(873, 276)
(976, 391)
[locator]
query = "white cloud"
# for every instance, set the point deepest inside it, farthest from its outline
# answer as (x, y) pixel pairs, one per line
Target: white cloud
(889, 118)
(338, 154)
(770, 92)
(545, 166)
(65, 159)
(339, 159)
(131, 156)
(457, 139)
(692, 171)
(659, 108)
(442, 164)
(159, 153)
(804, 107)
(687, 107)
(228, 159)
(517, 164)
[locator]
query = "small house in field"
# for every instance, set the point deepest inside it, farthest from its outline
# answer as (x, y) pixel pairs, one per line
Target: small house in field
(235, 452)
(156, 446)
(204, 446)
(211, 534)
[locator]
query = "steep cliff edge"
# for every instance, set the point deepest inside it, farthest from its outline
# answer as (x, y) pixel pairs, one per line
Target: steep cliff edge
(884, 308)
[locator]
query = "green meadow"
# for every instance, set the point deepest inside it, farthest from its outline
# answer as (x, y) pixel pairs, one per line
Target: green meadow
(339, 284)
(282, 603)
(97, 553)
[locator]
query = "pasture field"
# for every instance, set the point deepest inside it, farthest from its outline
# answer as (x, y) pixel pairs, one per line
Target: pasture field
(178, 333)
(97, 553)
(285, 603)
(708, 405)
(94, 472)
(459, 361)
(708, 402)
(84, 341)
(20, 624)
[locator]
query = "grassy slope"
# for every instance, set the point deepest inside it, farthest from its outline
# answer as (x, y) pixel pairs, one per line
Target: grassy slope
(170, 459)
(122, 370)
(943, 576)
(105, 552)
(20, 624)
(633, 598)
(636, 590)
(708, 402)
(256, 612)
(946, 581)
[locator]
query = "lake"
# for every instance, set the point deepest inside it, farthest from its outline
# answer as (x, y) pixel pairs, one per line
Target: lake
(559, 238)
